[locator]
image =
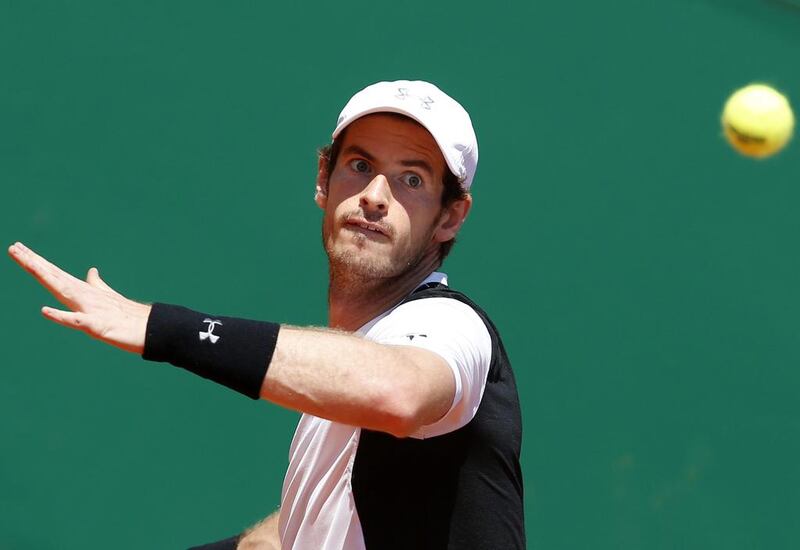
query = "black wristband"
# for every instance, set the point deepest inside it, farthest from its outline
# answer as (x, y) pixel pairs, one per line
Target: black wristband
(230, 351)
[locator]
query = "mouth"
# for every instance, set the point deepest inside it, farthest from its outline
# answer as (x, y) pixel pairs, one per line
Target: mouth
(367, 227)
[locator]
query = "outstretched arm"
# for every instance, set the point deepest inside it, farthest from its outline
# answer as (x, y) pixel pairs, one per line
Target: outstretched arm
(330, 374)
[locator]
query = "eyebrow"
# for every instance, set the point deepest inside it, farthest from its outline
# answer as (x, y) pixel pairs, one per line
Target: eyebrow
(424, 164)
(356, 150)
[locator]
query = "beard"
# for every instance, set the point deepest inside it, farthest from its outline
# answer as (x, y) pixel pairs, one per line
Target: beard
(354, 267)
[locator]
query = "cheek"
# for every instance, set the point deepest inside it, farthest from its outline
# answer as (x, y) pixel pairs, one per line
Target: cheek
(337, 205)
(342, 191)
(337, 208)
(422, 221)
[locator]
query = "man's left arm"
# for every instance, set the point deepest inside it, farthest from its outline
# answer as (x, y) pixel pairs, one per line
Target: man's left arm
(326, 373)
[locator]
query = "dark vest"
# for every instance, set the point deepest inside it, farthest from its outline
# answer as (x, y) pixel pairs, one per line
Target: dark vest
(460, 490)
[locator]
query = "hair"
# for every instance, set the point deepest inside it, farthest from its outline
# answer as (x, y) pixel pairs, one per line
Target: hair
(451, 186)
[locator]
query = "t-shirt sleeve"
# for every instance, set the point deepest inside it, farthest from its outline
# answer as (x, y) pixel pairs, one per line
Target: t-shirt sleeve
(455, 332)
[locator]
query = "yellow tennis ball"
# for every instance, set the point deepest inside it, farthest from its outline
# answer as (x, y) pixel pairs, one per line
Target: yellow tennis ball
(758, 120)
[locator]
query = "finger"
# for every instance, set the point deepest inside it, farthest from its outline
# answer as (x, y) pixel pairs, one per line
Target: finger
(69, 319)
(53, 278)
(93, 278)
(32, 261)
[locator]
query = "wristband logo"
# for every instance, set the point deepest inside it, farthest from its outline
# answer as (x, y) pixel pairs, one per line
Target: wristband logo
(209, 334)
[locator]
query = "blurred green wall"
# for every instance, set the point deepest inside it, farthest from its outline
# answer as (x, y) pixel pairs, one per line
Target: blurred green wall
(644, 276)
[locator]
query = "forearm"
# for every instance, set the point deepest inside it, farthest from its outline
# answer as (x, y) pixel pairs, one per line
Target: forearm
(347, 379)
(334, 375)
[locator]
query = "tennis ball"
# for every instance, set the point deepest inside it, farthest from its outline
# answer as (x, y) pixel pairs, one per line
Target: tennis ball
(757, 120)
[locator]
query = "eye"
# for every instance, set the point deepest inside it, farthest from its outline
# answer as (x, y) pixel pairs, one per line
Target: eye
(359, 165)
(412, 180)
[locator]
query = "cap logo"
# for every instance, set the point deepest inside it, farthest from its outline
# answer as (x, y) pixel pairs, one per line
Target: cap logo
(425, 102)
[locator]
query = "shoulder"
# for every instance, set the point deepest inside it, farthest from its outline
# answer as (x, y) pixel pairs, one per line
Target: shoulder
(441, 315)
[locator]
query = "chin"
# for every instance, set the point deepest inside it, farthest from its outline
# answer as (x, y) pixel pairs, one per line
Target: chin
(364, 259)
(363, 264)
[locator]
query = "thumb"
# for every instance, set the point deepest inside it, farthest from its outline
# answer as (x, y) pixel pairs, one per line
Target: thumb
(93, 278)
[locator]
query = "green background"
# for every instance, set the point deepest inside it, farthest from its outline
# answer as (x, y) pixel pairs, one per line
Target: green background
(644, 276)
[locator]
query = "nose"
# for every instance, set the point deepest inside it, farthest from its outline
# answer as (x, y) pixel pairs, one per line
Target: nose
(375, 196)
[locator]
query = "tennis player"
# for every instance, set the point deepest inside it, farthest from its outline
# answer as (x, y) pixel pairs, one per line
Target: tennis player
(411, 430)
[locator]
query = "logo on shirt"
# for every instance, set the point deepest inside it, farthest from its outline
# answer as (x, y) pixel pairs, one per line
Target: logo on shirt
(412, 336)
(209, 334)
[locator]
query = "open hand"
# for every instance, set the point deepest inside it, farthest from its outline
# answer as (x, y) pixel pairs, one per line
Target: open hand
(95, 308)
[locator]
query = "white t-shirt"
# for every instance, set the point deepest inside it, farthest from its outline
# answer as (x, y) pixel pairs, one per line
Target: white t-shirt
(317, 506)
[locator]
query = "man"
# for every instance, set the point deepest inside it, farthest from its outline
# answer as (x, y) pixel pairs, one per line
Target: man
(411, 431)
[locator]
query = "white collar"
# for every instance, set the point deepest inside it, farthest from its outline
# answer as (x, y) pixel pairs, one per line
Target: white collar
(435, 277)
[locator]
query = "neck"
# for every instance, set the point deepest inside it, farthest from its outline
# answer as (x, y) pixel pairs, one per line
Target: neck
(353, 299)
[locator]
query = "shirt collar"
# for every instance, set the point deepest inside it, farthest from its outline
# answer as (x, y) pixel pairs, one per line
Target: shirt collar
(435, 277)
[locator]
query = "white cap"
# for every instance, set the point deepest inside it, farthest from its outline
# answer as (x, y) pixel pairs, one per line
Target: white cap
(440, 114)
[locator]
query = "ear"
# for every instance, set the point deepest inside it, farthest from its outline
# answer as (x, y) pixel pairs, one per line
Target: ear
(452, 219)
(321, 195)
